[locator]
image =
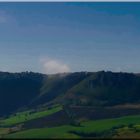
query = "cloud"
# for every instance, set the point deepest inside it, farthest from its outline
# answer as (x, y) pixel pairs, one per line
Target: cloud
(52, 66)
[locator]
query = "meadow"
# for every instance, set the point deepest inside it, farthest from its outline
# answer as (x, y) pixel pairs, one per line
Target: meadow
(22, 117)
(85, 127)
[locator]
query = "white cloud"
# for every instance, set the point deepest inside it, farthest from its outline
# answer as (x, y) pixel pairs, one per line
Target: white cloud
(52, 66)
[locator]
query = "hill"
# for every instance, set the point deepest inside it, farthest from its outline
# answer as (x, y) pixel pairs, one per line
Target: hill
(18, 89)
(105, 89)
(29, 90)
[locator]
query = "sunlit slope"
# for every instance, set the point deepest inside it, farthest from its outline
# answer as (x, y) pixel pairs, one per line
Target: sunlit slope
(22, 117)
(85, 128)
(91, 89)
(56, 86)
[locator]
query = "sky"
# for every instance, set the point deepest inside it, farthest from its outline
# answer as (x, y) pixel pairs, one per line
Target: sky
(62, 37)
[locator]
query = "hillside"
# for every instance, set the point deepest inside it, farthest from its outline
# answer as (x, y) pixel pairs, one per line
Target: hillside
(29, 90)
(69, 105)
(123, 127)
(18, 89)
(105, 89)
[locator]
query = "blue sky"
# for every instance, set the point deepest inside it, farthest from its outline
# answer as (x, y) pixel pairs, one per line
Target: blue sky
(68, 37)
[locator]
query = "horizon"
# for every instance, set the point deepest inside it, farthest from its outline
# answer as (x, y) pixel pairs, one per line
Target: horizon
(51, 37)
(70, 72)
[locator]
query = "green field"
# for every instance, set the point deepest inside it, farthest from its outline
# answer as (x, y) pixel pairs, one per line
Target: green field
(3, 130)
(132, 131)
(86, 127)
(25, 116)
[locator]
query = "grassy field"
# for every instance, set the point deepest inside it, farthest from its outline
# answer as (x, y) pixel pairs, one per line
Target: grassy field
(131, 131)
(3, 130)
(25, 116)
(86, 127)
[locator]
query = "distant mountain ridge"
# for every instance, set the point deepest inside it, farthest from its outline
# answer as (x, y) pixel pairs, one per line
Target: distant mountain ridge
(28, 89)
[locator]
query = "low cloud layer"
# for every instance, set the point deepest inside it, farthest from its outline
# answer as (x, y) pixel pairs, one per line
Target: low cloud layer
(51, 66)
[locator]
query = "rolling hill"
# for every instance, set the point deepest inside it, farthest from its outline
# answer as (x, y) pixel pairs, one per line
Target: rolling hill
(69, 105)
(29, 90)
